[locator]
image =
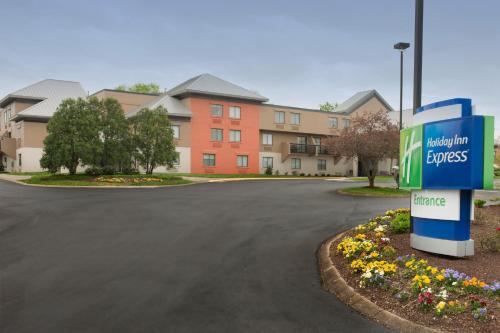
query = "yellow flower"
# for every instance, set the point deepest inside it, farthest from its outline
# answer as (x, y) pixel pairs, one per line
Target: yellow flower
(440, 306)
(360, 236)
(374, 254)
(440, 277)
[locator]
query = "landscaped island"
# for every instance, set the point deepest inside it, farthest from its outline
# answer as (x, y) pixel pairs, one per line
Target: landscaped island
(111, 180)
(446, 293)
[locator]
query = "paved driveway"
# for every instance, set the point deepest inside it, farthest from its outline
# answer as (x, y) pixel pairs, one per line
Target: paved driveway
(221, 257)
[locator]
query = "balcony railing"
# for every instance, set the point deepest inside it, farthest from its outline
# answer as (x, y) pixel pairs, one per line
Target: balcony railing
(299, 148)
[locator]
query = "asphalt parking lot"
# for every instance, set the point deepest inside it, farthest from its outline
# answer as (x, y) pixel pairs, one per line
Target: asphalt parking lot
(219, 257)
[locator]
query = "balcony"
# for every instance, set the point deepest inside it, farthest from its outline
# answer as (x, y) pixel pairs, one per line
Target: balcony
(297, 148)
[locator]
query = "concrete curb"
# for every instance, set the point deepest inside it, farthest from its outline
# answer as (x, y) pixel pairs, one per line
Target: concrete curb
(333, 282)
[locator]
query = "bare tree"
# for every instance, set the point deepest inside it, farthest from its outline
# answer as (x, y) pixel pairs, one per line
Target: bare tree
(371, 138)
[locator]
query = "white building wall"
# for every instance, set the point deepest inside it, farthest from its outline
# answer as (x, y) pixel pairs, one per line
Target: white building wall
(30, 158)
(309, 165)
(184, 162)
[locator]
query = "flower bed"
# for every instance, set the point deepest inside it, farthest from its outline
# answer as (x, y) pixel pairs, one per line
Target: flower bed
(133, 180)
(376, 260)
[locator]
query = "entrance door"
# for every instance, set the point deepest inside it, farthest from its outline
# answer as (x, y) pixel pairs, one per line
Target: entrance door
(361, 171)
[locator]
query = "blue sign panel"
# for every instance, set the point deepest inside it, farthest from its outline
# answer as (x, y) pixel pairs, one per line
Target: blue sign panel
(452, 154)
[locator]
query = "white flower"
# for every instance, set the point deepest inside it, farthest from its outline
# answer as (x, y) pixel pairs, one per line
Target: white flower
(454, 283)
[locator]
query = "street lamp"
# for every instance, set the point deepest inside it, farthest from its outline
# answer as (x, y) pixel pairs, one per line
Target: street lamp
(401, 47)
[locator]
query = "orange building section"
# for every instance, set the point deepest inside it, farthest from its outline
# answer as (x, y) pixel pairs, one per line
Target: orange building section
(226, 152)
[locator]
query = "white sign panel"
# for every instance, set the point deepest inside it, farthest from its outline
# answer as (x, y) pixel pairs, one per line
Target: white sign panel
(436, 204)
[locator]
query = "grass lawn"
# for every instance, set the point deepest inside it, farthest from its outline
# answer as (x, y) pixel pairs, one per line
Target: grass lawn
(125, 180)
(379, 179)
(375, 191)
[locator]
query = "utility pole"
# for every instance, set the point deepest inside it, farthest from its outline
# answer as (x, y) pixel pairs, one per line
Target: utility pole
(417, 69)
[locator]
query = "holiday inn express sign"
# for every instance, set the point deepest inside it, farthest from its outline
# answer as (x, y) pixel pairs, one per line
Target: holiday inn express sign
(446, 155)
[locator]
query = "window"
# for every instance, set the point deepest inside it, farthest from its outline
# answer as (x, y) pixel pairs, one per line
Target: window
(209, 159)
(279, 117)
(216, 134)
(234, 136)
(302, 140)
(295, 163)
(217, 110)
(295, 120)
(333, 122)
(321, 164)
(177, 160)
(176, 131)
(267, 162)
(242, 161)
(347, 122)
(235, 112)
(267, 139)
(20, 160)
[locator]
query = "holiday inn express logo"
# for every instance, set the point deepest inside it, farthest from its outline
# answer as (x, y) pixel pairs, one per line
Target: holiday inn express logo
(410, 164)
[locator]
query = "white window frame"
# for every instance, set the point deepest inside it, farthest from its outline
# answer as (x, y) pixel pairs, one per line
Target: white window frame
(216, 137)
(294, 164)
(267, 139)
(219, 113)
(233, 114)
(242, 161)
(277, 117)
(335, 121)
(295, 118)
(234, 136)
(323, 163)
(265, 164)
(176, 130)
(209, 157)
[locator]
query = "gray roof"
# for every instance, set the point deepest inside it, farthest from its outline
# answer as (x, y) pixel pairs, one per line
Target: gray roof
(358, 99)
(207, 84)
(49, 92)
(173, 105)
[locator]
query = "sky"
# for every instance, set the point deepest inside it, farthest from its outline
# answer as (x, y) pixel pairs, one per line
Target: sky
(299, 53)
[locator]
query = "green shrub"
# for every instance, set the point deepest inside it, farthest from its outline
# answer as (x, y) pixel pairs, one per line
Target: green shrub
(479, 203)
(93, 171)
(497, 172)
(277, 172)
(108, 170)
(269, 171)
(401, 223)
(130, 171)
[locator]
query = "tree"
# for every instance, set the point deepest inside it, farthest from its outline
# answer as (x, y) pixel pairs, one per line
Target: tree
(145, 88)
(328, 107)
(72, 135)
(371, 138)
(114, 135)
(153, 138)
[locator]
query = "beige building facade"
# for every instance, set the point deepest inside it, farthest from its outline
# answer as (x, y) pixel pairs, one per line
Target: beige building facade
(289, 140)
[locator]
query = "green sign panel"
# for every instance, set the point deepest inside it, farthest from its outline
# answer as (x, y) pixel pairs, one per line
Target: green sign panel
(410, 160)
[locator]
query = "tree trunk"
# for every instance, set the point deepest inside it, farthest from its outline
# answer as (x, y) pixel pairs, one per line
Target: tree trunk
(371, 180)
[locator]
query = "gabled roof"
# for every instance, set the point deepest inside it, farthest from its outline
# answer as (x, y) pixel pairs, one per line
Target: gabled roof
(50, 93)
(358, 99)
(173, 105)
(207, 84)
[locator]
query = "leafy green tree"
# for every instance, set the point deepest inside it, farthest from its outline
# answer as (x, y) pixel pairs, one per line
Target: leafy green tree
(145, 88)
(72, 135)
(153, 138)
(328, 107)
(114, 135)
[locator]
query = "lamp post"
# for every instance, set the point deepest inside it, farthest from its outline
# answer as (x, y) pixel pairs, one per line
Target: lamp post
(401, 47)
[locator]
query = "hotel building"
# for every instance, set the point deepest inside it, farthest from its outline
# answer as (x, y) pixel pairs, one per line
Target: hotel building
(219, 127)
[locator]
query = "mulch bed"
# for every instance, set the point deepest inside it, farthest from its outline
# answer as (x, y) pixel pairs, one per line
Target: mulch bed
(484, 265)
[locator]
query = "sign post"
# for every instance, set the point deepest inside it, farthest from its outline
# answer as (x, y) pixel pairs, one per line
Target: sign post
(444, 157)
